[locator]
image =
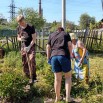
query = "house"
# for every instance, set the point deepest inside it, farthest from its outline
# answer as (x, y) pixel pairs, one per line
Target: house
(3, 21)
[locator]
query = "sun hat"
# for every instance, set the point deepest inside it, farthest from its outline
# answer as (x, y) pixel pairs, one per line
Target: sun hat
(73, 36)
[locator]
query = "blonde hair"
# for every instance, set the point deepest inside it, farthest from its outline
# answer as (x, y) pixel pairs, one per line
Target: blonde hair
(20, 18)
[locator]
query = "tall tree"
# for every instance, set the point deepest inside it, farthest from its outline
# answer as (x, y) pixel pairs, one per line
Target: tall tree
(33, 17)
(13, 24)
(70, 26)
(85, 21)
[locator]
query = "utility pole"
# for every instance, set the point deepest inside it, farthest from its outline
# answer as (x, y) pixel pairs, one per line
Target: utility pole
(40, 9)
(102, 4)
(12, 10)
(64, 14)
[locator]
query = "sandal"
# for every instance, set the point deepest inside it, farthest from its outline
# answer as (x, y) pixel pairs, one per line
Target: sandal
(70, 100)
(60, 99)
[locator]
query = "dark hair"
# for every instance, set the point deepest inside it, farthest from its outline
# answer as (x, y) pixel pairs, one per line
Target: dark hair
(60, 29)
(102, 20)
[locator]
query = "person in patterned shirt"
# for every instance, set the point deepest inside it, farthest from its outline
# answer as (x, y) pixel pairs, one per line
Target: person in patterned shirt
(27, 36)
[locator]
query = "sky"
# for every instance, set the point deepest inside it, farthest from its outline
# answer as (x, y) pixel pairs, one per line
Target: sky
(52, 9)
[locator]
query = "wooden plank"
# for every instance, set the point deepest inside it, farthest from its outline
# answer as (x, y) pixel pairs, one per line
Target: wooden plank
(96, 39)
(12, 42)
(39, 43)
(43, 44)
(17, 47)
(92, 39)
(7, 43)
(36, 43)
(84, 37)
(87, 40)
(100, 43)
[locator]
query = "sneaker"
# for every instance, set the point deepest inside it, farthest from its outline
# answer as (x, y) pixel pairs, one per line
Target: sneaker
(30, 82)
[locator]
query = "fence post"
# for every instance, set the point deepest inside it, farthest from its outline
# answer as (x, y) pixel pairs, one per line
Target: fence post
(85, 35)
(43, 38)
(100, 38)
(7, 42)
(12, 42)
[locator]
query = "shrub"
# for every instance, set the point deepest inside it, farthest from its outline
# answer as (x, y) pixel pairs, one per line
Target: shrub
(13, 60)
(12, 85)
(45, 76)
(12, 81)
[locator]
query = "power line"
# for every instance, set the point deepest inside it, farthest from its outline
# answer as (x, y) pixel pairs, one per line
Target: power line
(12, 10)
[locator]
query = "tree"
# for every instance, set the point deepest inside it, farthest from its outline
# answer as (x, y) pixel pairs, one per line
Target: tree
(3, 22)
(13, 24)
(92, 26)
(85, 21)
(97, 25)
(70, 26)
(1, 17)
(54, 26)
(33, 17)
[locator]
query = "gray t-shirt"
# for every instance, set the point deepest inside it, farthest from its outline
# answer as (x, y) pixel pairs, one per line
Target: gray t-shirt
(59, 44)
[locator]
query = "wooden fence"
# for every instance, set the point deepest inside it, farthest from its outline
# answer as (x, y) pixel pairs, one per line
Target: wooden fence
(11, 43)
(93, 40)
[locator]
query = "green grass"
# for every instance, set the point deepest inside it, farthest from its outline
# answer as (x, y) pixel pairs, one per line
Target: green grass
(92, 93)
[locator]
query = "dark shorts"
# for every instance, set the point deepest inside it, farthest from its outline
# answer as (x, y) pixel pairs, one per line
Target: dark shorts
(60, 64)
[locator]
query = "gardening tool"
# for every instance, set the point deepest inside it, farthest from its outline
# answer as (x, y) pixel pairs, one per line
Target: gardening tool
(28, 61)
(30, 70)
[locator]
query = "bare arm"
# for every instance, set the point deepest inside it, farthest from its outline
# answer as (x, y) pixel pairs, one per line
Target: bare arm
(48, 50)
(18, 37)
(33, 40)
(70, 48)
(81, 45)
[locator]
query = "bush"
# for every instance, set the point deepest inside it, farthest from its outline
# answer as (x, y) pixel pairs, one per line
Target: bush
(45, 76)
(12, 80)
(12, 85)
(13, 60)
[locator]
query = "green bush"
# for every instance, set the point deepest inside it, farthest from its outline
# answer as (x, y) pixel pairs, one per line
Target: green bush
(12, 80)
(45, 76)
(13, 60)
(12, 85)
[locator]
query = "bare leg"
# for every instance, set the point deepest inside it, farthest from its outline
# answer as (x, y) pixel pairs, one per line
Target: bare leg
(57, 85)
(68, 86)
